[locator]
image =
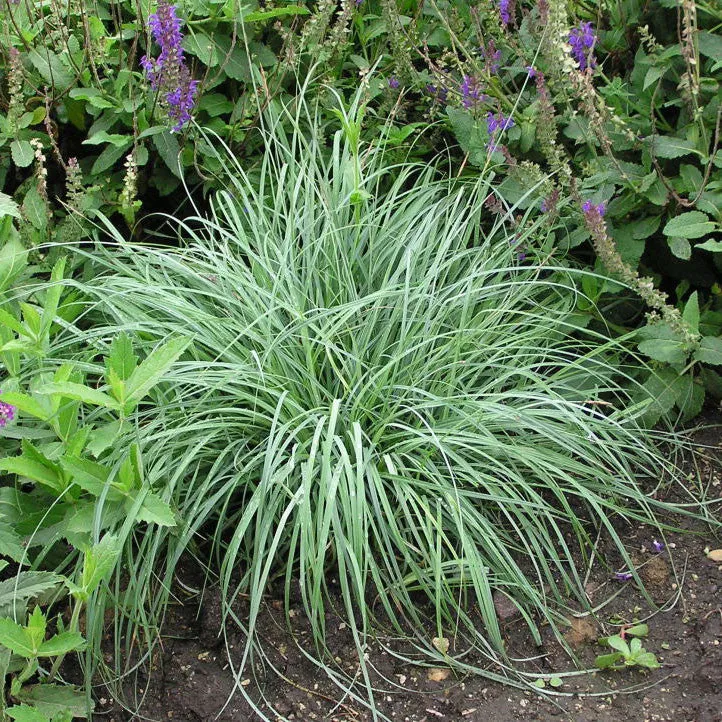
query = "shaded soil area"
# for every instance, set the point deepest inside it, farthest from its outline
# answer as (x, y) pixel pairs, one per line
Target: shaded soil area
(195, 673)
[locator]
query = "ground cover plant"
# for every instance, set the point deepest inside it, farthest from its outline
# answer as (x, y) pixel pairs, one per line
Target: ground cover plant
(374, 389)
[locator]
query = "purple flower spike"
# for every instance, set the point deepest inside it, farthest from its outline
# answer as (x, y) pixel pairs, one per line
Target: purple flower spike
(7, 413)
(594, 212)
(471, 93)
(582, 39)
(658, 546)
(506, 10)
(168, 72)
(623, 576)
(393, 82)
(530, 71)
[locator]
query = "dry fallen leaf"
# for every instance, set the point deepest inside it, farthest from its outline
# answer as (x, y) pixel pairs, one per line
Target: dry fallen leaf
(715, 555)
(441, 643)
(436, 674)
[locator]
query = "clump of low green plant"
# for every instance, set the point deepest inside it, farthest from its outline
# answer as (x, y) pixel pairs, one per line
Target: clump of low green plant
(380, 390)
(629, 651)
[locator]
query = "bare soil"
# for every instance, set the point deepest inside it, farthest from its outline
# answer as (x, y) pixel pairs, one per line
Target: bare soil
(193, 681)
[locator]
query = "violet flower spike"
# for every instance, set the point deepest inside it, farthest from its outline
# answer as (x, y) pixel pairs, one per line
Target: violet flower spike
(168, 72)
(582, 40)
(506, 9)
(393, 82)
(658, 546)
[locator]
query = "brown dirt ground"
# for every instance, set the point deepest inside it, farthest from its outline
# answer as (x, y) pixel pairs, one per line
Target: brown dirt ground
(192, 680)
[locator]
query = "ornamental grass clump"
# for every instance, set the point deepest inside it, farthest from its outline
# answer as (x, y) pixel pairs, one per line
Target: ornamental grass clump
(378, 393)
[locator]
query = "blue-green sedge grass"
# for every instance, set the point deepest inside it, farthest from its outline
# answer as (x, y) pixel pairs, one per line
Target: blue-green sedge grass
(377, 392)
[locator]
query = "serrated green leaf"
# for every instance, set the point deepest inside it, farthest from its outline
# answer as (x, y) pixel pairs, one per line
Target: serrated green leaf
(167, 146)
(54, 699)
(16, 639)
(666, 146)
(665, 350)
(51, 67)
(99, 561)
(79, 392)
(8, 207)
(154, 510)
(692, 224)
(13, 260)
(25, 713)
(31, 469)
(710, 351)
(122, 358)
(62, 644)
(150, 371)
(17, 590)
(27, 405)
(88, 475)
(117, 139)
(102, 437)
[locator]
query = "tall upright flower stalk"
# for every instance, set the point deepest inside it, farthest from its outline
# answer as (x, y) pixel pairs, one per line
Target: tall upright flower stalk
(168, 73)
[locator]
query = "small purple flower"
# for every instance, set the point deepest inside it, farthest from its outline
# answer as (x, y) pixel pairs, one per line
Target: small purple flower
(440, 94)
(506, 10)
(492, 56)
(623, 576)
(7, 413)
(470, 92)
(498, 122)
(530, 71)
(592, 211)
(582, 39)
(550, 202)
(393, 82)
(658, 546)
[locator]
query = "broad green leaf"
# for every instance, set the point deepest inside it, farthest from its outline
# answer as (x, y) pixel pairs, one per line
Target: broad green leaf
(666, 146)
(604, 661)
(79, 392)
(22, 153)
(203, 48)
(121, 357)
(692, 224)
(654, 73)
(27, 405)
(11, 543)
(666, 350)
(635, 645)
(35, 208)
(710, 245)
(117, 139)
(99, 561)
(167, 146)
(152, 369)
(51, 67)
(710, 44)
(31, 469)
(154, 510)
(25, 713)
(62, 644)
(638, 630)
(36, 626)
(110, 156)
(13, 260)
(52, 297)
(619, 644)
(680, 247)
(647, 660)
(88, 475)
(102, 437)
(16, 638)
(710, 351)
(52, 699)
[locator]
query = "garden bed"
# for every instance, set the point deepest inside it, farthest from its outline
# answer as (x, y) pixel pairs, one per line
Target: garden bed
(192, 680)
